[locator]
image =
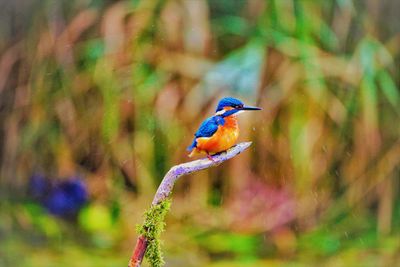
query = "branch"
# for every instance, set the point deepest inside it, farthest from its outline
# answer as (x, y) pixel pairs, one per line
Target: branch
(153, 224)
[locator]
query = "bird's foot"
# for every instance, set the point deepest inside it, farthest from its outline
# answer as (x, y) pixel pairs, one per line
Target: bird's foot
(210, 158)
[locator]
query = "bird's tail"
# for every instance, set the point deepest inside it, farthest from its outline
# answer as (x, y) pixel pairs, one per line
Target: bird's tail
(192, 148)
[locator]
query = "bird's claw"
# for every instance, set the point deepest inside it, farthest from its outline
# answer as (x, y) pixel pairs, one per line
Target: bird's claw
(210, 158)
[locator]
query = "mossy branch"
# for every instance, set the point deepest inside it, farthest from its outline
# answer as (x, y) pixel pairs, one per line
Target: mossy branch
(148, 243)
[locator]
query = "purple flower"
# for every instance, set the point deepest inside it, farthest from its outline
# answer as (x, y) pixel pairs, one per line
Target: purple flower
(66, 198)
(61, 198)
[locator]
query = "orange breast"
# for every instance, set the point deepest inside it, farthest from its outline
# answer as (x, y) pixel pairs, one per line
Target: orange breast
(224, 138)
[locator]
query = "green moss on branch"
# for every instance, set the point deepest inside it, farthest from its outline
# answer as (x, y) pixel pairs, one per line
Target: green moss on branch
(152, 228)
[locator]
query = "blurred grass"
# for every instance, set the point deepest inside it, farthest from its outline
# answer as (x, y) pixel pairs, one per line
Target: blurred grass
(114, 90)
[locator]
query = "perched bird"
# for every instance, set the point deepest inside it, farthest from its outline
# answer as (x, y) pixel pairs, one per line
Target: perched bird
(221, 131)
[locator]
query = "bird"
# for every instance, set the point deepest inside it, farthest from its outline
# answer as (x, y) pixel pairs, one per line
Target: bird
(221, 131)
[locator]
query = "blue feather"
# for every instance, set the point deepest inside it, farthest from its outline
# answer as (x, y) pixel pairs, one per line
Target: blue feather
(228, 102)
(193, 145)
(209, 126)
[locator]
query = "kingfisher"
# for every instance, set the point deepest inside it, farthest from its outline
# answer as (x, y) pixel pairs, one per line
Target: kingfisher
(221, 131)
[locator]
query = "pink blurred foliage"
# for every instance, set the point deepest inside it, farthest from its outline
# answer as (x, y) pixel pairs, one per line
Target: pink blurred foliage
(262, 207)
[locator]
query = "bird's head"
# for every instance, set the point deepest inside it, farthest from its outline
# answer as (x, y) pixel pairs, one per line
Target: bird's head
(228, 106)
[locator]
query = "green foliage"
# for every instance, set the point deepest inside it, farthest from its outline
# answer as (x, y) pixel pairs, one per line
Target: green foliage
(242, 246)
(95, 218)
(152, 228)
(320, 243)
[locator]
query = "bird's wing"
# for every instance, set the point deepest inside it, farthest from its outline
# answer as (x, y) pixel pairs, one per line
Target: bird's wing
(207, 129)
(209, 126)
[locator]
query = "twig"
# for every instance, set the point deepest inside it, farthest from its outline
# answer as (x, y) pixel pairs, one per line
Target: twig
(165, 189)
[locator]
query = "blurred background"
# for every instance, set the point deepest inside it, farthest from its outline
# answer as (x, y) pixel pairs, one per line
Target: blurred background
(99, 98)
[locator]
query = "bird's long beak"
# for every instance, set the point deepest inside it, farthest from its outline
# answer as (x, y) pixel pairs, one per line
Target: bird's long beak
(250, 108)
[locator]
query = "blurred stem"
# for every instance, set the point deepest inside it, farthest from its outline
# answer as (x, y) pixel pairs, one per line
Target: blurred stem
(148, 243)
(385, 208)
